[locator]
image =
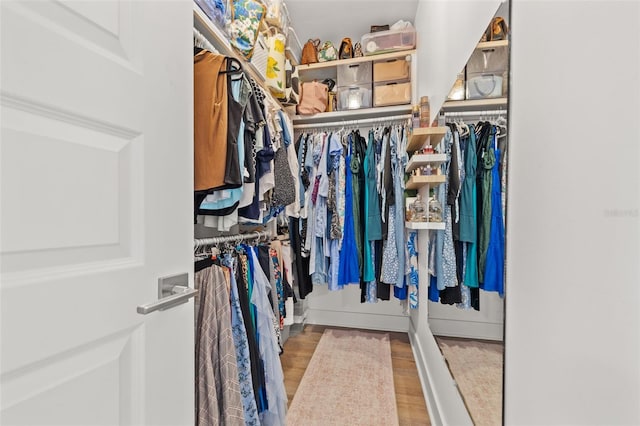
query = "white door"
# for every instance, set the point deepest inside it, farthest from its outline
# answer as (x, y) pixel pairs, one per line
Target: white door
(96, 181)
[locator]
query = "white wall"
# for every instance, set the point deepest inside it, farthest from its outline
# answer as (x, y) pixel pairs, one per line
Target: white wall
(572, 313)
(447, 34)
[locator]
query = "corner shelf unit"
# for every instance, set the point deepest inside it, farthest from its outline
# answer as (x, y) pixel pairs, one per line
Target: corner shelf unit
(433, 226)
(421, 135)
(419, 160)
(416, 182)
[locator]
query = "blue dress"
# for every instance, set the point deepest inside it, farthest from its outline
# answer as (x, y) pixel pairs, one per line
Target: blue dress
(494, 265)
(349, 270)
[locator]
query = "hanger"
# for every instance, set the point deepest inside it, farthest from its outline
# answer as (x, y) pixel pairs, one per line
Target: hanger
(230, 64)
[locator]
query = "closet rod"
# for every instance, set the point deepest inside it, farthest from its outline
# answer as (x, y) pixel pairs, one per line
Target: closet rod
(334, 124)
(473, 113)
(204, 242)
(200, 40)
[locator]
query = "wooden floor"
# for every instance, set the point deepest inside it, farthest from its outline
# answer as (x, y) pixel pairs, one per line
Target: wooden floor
(410, 401)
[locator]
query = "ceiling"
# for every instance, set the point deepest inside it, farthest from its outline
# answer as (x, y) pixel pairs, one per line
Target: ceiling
(334, 19)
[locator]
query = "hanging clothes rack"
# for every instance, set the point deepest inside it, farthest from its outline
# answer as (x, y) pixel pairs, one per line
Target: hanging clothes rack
(346, 123)
(200, 40)
(205, 242)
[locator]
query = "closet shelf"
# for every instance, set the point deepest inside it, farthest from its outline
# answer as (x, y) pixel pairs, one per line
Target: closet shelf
(438, 226)
(341, 117)
(493, 103)
(420, 135)
(492, 44)
(419, 160)
(416, 182)
(333, 64)
(219, 40)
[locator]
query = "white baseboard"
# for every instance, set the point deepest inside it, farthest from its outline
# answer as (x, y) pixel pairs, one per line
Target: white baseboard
(358, 320)
(444, 401)
(466, 329)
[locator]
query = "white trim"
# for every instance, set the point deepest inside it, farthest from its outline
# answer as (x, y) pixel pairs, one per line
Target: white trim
(443, 399)
(367, 321)
(466, 329)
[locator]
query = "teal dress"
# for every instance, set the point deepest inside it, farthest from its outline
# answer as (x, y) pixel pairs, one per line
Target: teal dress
(468, 213)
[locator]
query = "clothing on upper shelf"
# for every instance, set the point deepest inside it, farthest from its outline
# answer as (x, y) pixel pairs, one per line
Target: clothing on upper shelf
(244, 158)
(469, 254)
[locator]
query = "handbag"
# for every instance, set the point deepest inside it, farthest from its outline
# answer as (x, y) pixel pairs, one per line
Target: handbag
(292, 91)
(310, 52)
(484, 86)
(327, 52)
(497, 30)
(246, 17)
(346, 49)
(315, 96)
(276, 73)
(357, 50)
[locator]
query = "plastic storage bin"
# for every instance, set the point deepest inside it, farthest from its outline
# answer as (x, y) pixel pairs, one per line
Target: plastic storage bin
(354, 97)
(388, 41)
(392, 94)
(391, 70)
(487, 73)
(352, 74)
(293, 50)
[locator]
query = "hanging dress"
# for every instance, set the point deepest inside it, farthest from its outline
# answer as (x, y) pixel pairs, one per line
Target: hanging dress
(349, 269)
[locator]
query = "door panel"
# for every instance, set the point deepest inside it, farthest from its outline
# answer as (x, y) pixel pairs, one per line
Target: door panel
(96, 183)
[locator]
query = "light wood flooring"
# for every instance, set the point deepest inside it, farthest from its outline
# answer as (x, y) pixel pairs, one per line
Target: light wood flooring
(410, 401)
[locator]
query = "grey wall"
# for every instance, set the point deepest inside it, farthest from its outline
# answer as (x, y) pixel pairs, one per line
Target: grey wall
(572, 315)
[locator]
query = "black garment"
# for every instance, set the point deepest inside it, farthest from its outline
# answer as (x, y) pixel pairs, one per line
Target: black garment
(387, 183)
(455, 183)
(383, 290)
(233, 174)
(475, 298)
(264, 259)
(300, 264)
(450, 295)
(257, 369)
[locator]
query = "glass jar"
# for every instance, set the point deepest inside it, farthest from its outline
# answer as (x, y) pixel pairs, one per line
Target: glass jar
(418, 210)
(435, 210)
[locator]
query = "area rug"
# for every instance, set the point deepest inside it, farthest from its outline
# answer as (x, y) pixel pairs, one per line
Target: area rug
(476, 366)
(349, 381)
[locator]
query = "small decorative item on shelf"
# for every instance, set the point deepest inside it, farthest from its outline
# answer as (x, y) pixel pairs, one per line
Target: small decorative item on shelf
(435, 210)
(357, 50)
(425, 113)
(418, 210)
(415, 116)
(426, 170)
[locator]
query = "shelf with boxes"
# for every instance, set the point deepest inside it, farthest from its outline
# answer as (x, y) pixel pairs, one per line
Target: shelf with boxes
(484, 78)
(368, 86)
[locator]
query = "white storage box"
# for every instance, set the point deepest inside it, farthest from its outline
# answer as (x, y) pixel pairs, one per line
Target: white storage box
(354, 97)
(349, 75)
(388, 41)
(397, 93)
(391, 70)
(487, 73)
